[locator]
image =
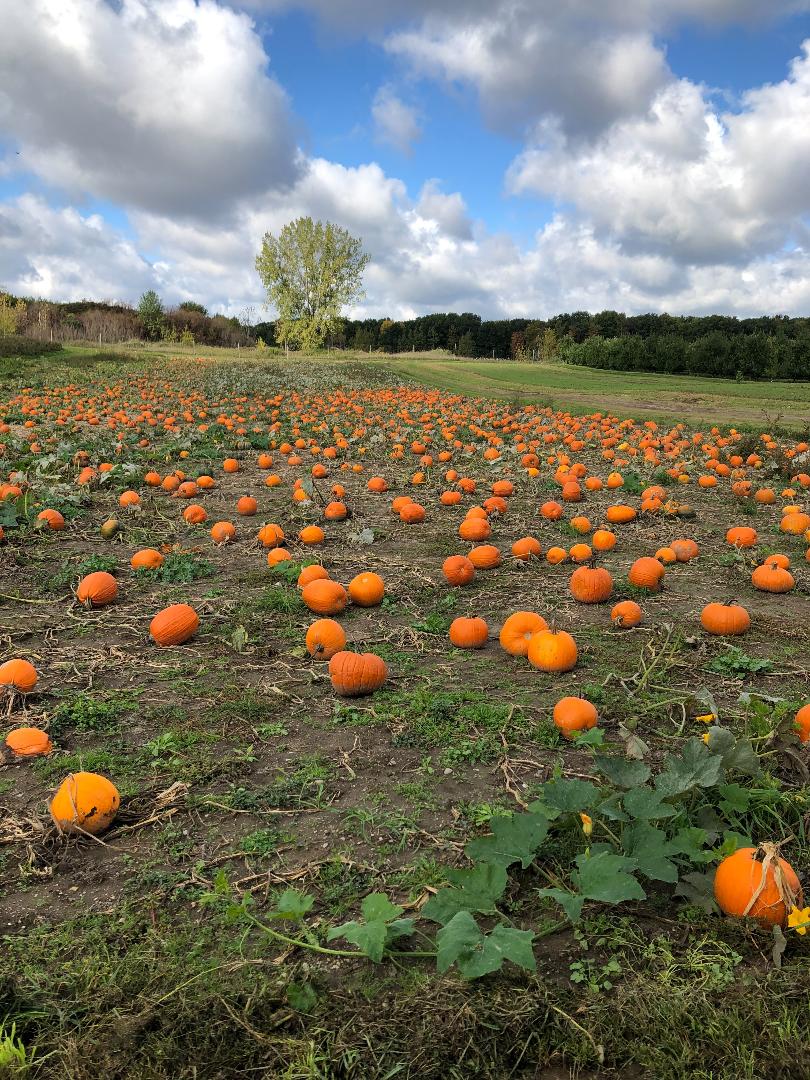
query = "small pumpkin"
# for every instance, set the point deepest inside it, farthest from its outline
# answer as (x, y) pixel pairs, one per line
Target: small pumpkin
(725, 620)
(475, 529)
(772, 578)
(742, 536)
(312, 534)
(367, 589)
(458, 569)
(85, 802)
(572, 714)
(311, 573)
(271, 535)
(223, 532)
(29, 742)
(412, 513)
(469, 633)
(485, 557)
(247, 506)
(553, 650)
(591, 585)
(325, 597)
(646, 573)
(325, 637)
(146, 559)
(357, 674)
(626, 614)
(526, 548)
(97, 589)
(19, 675)
(757, 883)
(519, 629)
(174, 625)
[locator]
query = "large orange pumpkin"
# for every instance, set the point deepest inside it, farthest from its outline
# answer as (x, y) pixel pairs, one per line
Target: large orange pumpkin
(325, 597)
(85, 802)
(325, 637)
(552, 650)
(757, 883)
(519, 629)
(357, 674)
(174, 625)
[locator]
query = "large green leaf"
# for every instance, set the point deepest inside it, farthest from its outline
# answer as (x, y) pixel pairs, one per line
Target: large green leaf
(607, 877)
(471, 890)
(463, 943)
(650, 849)
(567, 795)
(696, 766)
(515, 838)
(622, 772)
(647, 804)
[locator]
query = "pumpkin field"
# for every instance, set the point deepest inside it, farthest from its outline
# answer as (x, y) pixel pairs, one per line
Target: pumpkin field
(354, 729)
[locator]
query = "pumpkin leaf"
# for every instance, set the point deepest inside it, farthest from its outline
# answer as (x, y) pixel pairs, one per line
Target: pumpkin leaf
(738, 755)
(735, 799)
(696, 766)
(515, 838)
(607, 877)
(463, 943)
(301, 997)
(379, 927)
(377, 906)
(594, 736)
(574, 795)
(622, 772)
(293, 905)
(698, 889)
(363, 536)
(647, 804)
(471, 890)
(650, 848)
(571, 903)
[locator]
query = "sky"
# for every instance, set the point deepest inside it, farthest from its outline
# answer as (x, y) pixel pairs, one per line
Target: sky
(514, 158)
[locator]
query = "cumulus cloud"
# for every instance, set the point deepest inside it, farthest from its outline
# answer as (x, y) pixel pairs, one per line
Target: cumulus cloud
(395, 122)
(161, 104)
(683, 179)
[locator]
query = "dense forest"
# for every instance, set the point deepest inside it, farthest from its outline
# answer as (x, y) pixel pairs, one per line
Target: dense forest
(767, 347)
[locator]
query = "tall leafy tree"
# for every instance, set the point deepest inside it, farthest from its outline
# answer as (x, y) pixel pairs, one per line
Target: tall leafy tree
(152, 315)
(311, 270)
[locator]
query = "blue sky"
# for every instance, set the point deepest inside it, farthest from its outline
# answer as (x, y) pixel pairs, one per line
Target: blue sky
(622, 153)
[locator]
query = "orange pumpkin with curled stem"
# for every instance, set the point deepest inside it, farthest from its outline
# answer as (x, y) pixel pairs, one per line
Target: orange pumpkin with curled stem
(325, 637)
(758, 884)
(97, 589)
(626, 614)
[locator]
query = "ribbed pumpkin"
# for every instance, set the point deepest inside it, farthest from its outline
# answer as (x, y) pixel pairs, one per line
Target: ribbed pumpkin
(742, 536)
(325, 597)
(527, 547)
(469, 633)
(367, 589)
(29, 742)
(475, 529)
(770, 577)
(519, 629)
(97, 589)
(19, 675)
(626, 614)
(412, 513)
(685, 550)
(646, 573)
(725, 620)
(85, 802)
(591, 585)
(556, 555)
(311, 573)
(603, 540)
(222, 532)
(325, 637)
(795, 523)
(620, 514)
(572, 714)
(485, 557)
(53, 519)
(174, 625)
(553, 650)
(271, 535)
(757, 883)
(458, 570)
(146, 559)
(357, 674)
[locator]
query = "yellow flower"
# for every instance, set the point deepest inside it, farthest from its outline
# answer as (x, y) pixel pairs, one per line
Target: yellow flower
(706, 736)
(707, 718)
(587, 824)
(799, 920)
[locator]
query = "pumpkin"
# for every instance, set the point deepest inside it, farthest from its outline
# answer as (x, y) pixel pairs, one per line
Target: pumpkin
(556, 555)
(53, 519)
(770, 577)
(325, 597)
(325, 637)
(603, 540)
(247, 506)
(222, 532)
(311, 573)
(620, 514)
(757, 883)
(85, 803)
(174, 625)
(278, 555)
(146, 559)
(551, 510)
(128, 499)
(312, 534)
(742, 536)
(581, 524)
(367, 589)
(646, 573)
(802, 720)
(230, 465)
(485, 557)
(458, 570)
(519, 629)
(795, 523)
(28, 742)
(412, 513)
(335, 511)
(591, 585)
(573, 714)
(666, 556)
(19, 675)
(195, 514)
(552, 650)
(725, 620)
(468, 633)
(527, 547)
(626, 614)
(97, 589)
(685, 550)
(377, 484)
(475, 529)
(271, 535)
(357, 674)
(580, 553)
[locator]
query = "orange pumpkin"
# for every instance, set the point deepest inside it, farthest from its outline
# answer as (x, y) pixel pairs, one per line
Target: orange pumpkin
(29, 742)
(725, 620)
(591, 585)
(757, 883)
(174, 625)
(146, 559)
(469, 633)
(85, 803)
(325, 597)
(519, 629)
(553, 651)
(367, 589)
(572, 714)
(19, 675)
(325, 637)
(626, 614)
(357, 674)
(97, 589)
(485, 557)
(458, 570)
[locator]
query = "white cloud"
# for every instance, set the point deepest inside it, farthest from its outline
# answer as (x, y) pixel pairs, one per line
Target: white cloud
(395, 122)
(162, 104)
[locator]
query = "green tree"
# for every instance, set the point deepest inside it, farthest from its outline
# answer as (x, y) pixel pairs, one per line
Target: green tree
(549, 345)
(11, 313)
(311, 270)
(152, 315)
(466, 345)
(192, 305)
